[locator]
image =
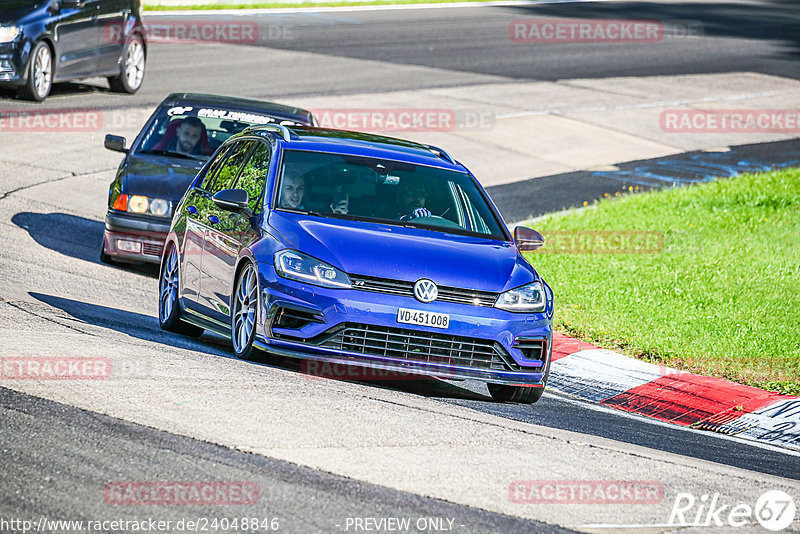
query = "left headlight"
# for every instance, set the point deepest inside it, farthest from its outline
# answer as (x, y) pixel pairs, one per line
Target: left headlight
(151, 206)
(528, 298)
(9, 33)
(295, 265)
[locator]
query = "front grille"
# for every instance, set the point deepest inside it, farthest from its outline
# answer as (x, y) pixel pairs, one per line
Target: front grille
(406, 289)
(418, 346)
(152, 249)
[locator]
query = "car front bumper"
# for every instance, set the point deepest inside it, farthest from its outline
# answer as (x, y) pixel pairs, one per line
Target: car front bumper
(13, 58)
(359, 328)
(133, 238)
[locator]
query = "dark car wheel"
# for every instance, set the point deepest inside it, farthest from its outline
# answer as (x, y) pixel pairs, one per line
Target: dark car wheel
(40, 74)
(169, 309)
(521, 395)
(131, 68)
(245, 313)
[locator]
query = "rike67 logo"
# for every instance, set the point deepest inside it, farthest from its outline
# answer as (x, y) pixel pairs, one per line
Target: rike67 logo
(774, 510)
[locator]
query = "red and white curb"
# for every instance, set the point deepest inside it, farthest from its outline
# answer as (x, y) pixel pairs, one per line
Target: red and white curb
(624, 383)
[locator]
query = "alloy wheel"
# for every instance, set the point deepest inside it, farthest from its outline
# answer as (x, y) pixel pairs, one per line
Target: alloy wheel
(43, 71)
(168, 287)
(245, 307)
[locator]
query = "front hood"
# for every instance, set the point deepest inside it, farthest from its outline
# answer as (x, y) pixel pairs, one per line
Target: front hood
(159, 176)
(20, 12)
(407, 254)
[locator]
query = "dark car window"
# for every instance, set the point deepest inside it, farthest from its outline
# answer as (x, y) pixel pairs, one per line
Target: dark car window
(229, 170)
(382, 190)
(254, 175)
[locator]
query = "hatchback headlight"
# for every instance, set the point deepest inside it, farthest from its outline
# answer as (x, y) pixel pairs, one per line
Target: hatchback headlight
(295, 265)
(525, 299)
(9, 33)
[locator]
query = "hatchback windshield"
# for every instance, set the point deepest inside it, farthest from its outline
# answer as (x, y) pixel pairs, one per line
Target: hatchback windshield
(386, 191)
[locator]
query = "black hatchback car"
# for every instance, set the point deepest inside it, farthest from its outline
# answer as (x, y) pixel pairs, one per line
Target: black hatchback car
(161, 163)
(46, 41)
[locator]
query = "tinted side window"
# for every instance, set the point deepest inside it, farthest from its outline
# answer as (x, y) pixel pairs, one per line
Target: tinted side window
(229, 170)
(214, 167)
(254, 175)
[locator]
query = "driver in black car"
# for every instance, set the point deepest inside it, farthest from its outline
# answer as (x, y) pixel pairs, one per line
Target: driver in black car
(187, 140)
(411, 201)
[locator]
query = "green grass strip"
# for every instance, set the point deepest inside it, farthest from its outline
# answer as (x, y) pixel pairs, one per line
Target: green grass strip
(721, 298)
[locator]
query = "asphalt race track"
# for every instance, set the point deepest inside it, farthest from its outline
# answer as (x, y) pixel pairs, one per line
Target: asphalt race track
(323, 452)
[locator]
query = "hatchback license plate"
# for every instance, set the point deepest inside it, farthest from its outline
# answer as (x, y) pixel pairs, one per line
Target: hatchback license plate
(423, 318)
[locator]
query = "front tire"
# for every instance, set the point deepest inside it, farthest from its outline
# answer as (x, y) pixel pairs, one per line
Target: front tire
(518, 394)
(132, 68)
(244, 313)
(40, 74)
(169, 309)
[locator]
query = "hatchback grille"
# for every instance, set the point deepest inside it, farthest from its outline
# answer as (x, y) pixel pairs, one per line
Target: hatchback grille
(418, 346)
(406, 289)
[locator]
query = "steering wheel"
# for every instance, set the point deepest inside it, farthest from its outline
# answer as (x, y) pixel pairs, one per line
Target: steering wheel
(435, 220)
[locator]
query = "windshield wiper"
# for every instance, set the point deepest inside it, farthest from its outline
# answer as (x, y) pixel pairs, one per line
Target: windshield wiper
(170, 153)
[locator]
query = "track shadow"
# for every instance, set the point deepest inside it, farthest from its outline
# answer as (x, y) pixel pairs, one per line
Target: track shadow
(146, 327)
(64, 89)
(72, 236)
(767, 20)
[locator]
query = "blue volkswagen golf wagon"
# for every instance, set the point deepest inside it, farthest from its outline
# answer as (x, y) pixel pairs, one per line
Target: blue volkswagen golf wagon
(357, 249)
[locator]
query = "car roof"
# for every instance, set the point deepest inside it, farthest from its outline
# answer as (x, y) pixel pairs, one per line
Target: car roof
(245, 104)
(357, 143)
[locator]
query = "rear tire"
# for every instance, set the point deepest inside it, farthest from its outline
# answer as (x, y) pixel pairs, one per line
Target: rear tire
(132, 67)
(519, 394)
(169, 308)
(40, 74)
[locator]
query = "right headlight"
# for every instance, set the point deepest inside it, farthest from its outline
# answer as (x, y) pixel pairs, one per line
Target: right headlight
(9, 33)
(295, 265)
(526, 299)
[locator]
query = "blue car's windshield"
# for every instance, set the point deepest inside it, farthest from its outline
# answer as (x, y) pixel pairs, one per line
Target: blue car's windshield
(385, 191)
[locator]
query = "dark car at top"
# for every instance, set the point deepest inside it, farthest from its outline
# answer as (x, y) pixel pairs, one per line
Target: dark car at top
(154, 174)
(357, 250)
(47, 41)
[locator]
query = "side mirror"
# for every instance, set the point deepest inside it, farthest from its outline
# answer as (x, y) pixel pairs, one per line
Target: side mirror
(234, 200)
(527, 239)
(115, 143)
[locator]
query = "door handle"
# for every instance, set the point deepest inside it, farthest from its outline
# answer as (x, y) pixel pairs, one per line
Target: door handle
(192, 210)
(213, 219)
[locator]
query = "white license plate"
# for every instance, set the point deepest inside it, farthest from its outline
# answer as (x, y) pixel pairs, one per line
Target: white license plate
(423, 318)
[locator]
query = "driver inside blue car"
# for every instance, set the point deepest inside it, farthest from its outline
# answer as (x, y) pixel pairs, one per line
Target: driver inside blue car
(293, 188)
(411, 201)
